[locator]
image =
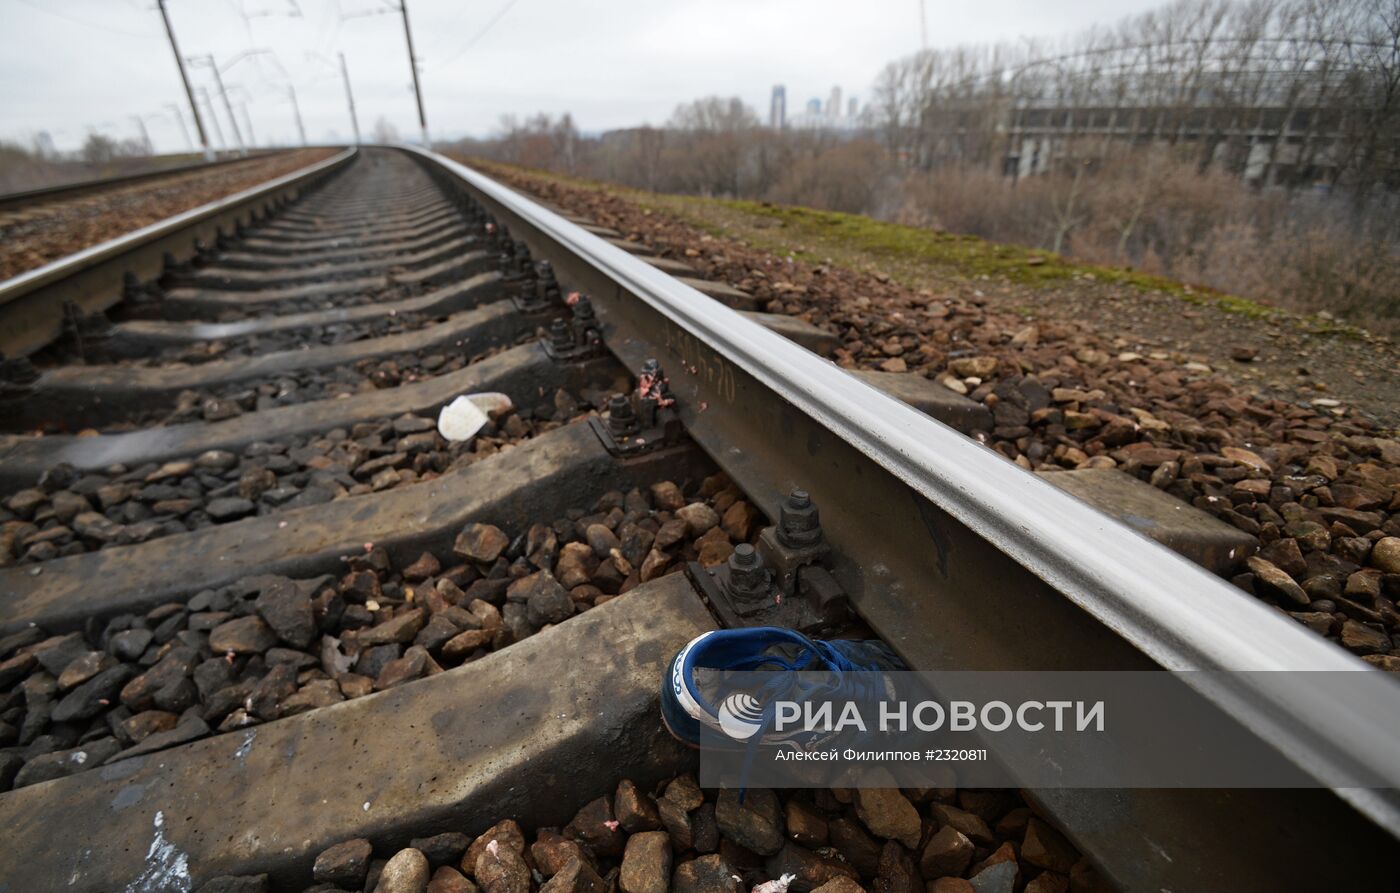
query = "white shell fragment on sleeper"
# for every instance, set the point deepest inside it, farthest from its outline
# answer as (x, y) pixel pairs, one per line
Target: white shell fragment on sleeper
(464, 417)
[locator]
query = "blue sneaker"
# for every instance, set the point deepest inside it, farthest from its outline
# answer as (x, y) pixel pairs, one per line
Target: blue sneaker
(693, 682)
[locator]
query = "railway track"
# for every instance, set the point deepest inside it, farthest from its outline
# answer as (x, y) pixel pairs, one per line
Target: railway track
(261, 617)
(15, 205)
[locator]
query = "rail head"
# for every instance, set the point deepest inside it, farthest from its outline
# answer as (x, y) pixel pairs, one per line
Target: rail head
(1169, 609)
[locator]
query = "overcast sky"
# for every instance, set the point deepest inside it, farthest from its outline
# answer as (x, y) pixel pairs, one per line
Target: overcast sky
(71, 65)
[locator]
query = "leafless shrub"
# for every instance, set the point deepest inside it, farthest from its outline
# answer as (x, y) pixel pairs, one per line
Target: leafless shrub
(846, 177)
(1161, 215)
(38, 166)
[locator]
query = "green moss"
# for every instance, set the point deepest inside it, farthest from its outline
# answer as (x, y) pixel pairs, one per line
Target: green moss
(962, 255)
(967, 256)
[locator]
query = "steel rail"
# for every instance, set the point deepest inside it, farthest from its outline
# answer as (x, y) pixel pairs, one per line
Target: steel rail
(1144, 605)
(32, 303)
(11, 201)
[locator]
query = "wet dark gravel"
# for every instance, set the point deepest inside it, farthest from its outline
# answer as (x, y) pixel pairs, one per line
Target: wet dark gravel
(269, 646)
(306, 386)
(69, 512)
(681, 838)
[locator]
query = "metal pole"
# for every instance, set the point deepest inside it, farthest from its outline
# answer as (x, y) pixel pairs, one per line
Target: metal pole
(180, 119)
(296, 109)
(185, 79)
(413, 65)
(218, 131)
(350, 97)
(248, 122)
(228, 106)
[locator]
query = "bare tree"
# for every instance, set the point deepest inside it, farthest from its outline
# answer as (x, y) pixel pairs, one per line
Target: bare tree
(1067, 203)
(98, 149)
(1373, 127)
(712, 132)
(650, 142)
(714, 114)
(565, 138)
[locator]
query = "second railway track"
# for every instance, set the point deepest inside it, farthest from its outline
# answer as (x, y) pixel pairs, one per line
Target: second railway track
(256, 605)
(16, 205)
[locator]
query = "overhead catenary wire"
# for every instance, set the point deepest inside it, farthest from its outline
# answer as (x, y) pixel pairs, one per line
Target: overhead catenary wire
(485, 29)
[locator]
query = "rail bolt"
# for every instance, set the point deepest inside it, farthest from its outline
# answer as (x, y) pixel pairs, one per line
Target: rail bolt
(799, 525)
(585, 322)
(521, 263)
(561, 335)
(583, 311)
(748, 579)
(622, 421)
(547, 287)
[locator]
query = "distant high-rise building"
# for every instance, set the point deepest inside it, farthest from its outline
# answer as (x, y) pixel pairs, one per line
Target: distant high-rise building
(833, 104)
(853, 108)
(777, 108)
(814, 107)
